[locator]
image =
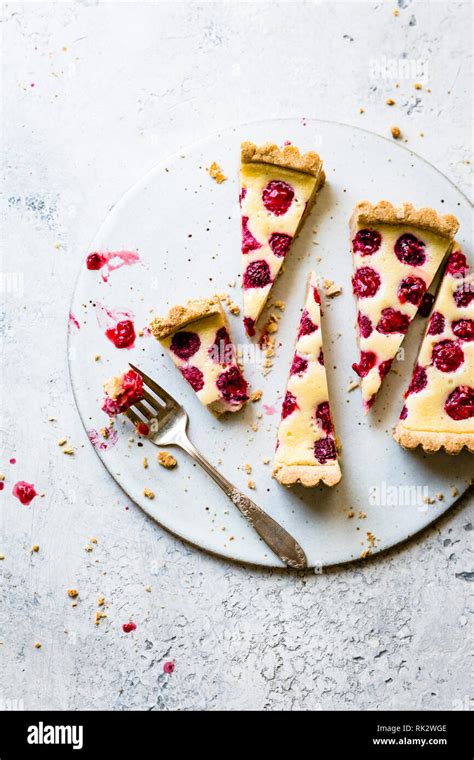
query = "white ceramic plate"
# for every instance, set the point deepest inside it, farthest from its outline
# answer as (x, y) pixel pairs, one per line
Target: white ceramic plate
(186, 230)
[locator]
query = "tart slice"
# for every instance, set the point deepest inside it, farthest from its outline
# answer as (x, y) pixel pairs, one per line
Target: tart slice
(278, 186)
(306, 449)
(439, 406)
(396, 253)
(197, 338)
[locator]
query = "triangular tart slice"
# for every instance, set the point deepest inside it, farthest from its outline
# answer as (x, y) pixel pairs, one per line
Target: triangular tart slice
(197, 338)
(396, 253)
(278, 186)
(439, 405)
(306, 449)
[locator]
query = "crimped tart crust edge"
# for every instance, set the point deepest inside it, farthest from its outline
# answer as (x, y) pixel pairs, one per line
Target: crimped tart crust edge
(384, 212)
(180, 316)
(288, 157)
(307, 475)
(431, 441)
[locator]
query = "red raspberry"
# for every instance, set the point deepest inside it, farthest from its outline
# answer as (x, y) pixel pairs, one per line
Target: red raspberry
(248, 241)
(426, 305)
(323, 416)
(366, 242)
(299, 365)
(411, 289)
(307, 325)
(289, 405)
(457, 264)
(123, 334)
(384, 368)
(277, 197)
(410, 250)
(460, 403)
(257, 274)
(232, 385)
(194, 377)
(365, 282)
(447, 355)
(437, 324)
(325, 449)
(463, 329)
(280, 244)
(418, 381)
(185, 344)
(392, 321)
(365, 325)
(463, 296)
(366, 362)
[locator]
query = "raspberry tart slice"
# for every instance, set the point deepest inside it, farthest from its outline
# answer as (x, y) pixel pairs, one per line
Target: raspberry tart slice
(396, 253)
(122, 391)
(278, 186)
(439, 405)
(197, 338)
(306, 450)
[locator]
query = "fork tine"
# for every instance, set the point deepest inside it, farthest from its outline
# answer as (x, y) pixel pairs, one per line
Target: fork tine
(146, 412)
(155, 405)
(133, 417)
(163, 395)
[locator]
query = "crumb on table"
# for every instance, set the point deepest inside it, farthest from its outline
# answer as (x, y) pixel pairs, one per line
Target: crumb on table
(216, 173)
(167, 460)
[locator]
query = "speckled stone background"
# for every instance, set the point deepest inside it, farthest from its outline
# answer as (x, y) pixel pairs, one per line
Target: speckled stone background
(94, 94)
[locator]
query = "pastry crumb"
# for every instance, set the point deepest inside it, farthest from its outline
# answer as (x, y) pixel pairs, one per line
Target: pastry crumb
(2, 476)
(93, 540)
(361, 110)
(145, 463)
(256, 395)
(216, 173)
(331, 289)
(166, 460)
(248, 468)
(418, 86)
(148, 588)
(98, 616)
(350, 515)
(251, 484)
(35, 548)
(390, 102)
(440, 496)
(396, 132)
(62, 441)
(38, 645)
(454, 491)
(96, 357)
(72, 592)
(352, 386)
(87, 548)
(279, 305)
(2, 556)
(69, 451)
(148, 494)
(365, 554)
(100, 600)
(428, 500)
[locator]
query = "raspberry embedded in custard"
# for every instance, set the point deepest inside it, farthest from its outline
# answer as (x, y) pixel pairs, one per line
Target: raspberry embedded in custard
(418, 381)
(289, 405)
(411, 290)
(366, 242)
(447, 355)
(257, 274)
(404, 412)
(365, 325)
(365, 282)
(249, 243)
(410, 250)
(392, 321)
(460, 403)
(323, 416)
(123, 334)
(307, 325)
(185, 344)
(366, 362)
(457, 264)
(437, 324)
(321, 358)
(232, 385)
(280, 244)
(298, 365)
(249, 325)
(194, 377)
(277, 197)
(384, 368)
(325, 449)
(463, 296)
(463, 329)
(221, 350)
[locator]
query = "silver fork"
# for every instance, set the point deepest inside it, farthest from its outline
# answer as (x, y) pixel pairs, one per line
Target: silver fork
(167, 421)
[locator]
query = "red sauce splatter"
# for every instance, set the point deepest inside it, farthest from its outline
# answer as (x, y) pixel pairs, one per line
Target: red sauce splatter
(268, 409)
(13, 460)
(142, 428)
(112, 260)
(24, 491)
(2, 485)
(117, 325)
(73, 321)
(129, 627)
(169, 667)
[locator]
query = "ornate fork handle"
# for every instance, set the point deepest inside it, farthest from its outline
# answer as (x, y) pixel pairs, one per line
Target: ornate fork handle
(274, 535)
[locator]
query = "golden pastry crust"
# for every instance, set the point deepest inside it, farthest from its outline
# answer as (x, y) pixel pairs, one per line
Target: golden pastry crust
(289, 157)
(385, 212)
(180, 316)
(307, 475)
(430, 441)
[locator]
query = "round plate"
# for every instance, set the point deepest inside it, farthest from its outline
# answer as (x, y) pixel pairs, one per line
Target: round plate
(186, 230)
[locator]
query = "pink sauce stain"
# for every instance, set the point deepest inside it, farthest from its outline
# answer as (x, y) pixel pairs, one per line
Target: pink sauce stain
(13, 460)
(169, 667)
(269, 409)
(146, 332)
(119, 327)
(2, 485)
(111, 260)
(24, 492)
(99, 442)
(73, 321)
(287, 142)
(129, 627)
